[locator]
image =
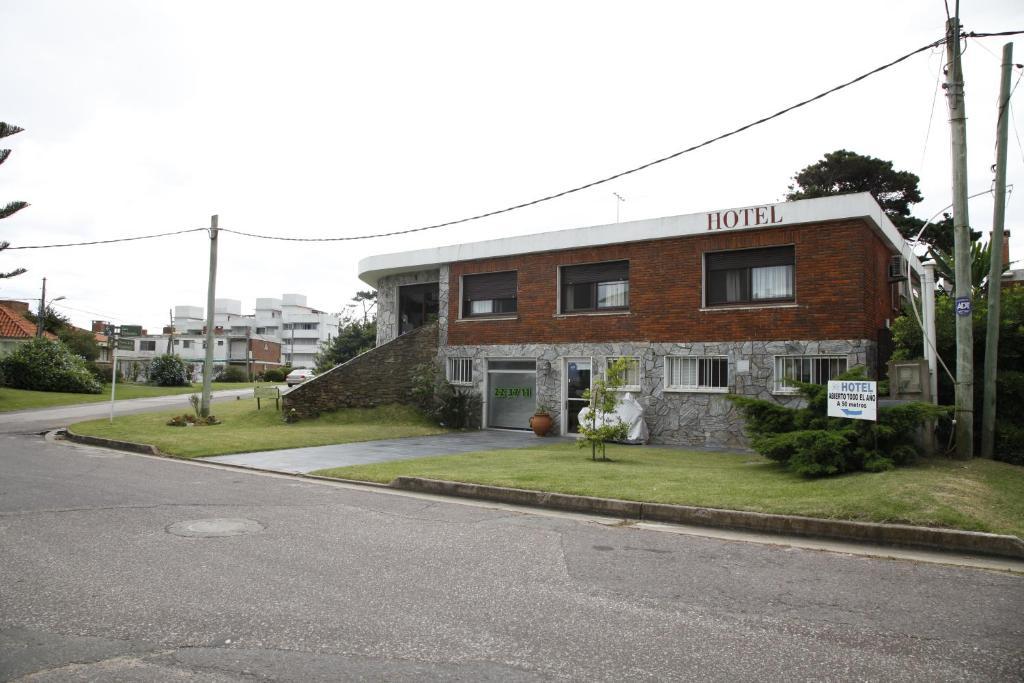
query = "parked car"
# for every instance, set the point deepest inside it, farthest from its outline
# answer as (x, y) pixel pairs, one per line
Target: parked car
(298, 376)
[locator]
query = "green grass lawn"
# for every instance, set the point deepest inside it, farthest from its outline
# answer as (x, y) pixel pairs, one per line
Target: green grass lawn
(20, 399)
(246, 429)
(978, 495)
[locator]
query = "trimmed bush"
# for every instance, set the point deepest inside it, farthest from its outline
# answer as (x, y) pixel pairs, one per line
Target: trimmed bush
(812, 444)
(168, 371)
(276, 374)
(44, 365)
(232, 373)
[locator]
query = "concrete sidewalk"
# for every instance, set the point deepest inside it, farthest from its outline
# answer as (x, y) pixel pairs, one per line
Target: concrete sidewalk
(304, 460)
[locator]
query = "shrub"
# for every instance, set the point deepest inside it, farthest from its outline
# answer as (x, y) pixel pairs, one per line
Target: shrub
(449, 406)
(104, 374)
(232, 373)
(168, 371)
(276, 374)
(1010, 385)
(812, 444)
(44, 365)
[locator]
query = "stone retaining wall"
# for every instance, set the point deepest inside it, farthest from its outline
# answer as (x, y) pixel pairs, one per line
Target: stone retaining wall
(380, 376)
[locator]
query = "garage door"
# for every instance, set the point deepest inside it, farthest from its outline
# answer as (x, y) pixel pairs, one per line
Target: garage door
(511, 393)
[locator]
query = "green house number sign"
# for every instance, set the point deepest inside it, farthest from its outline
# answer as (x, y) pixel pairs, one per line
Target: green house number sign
(513, 392)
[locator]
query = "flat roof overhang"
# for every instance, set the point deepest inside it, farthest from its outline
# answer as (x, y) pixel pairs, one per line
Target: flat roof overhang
(859, 206)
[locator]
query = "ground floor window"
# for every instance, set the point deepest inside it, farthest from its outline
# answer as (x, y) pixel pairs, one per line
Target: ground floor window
(697, 373)
(460, 371)
(807, 369)
(631, 379)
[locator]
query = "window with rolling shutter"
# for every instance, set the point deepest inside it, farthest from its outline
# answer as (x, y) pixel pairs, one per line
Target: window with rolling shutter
(749, 276)
(595, 287)
(489, 294)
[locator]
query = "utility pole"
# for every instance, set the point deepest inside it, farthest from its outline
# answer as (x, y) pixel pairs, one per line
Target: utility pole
(211, 291)
(170, 337)
(41, 322)
(248, 353)
(963, 410)
(995, 272)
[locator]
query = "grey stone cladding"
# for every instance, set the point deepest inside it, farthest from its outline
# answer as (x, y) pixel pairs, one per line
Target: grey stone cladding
(387, 300)
(673, 417)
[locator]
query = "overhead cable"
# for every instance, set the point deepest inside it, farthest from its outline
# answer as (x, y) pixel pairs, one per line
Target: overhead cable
(110, 241)
(609, 178)
(556, 195)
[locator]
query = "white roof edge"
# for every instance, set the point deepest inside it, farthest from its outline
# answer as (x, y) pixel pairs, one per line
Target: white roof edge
(781, 214)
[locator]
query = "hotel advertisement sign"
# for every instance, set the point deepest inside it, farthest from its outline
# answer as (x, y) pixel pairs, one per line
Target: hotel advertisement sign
(854, 399)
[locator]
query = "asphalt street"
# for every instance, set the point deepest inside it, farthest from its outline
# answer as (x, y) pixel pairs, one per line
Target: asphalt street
(41, 420)
(130, 568)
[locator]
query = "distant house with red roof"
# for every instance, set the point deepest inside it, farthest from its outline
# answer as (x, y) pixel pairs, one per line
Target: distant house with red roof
(14, 328)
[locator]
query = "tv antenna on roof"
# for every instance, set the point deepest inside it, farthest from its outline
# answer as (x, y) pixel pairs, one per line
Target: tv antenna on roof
(620, 199)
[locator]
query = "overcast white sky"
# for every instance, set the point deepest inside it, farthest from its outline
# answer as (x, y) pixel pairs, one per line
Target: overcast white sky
(333, 119)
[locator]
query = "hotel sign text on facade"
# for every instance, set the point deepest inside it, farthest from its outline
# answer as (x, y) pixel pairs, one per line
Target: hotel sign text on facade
(750, 217)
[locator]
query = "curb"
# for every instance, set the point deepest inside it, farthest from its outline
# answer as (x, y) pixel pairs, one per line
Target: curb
(144, 448)
(147, 449)
(949, 540)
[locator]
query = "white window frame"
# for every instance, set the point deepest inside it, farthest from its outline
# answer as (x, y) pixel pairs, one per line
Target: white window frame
(696, 388)
(639, 372)
(778, 371)
(460, 371)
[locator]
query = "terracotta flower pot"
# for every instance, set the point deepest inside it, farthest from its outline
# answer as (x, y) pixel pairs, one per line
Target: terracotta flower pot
(541, 424)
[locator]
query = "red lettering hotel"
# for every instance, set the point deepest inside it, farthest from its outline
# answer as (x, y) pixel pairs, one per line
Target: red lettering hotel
(736, 300)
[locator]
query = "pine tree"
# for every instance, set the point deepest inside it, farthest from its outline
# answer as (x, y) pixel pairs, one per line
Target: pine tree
(11, 207)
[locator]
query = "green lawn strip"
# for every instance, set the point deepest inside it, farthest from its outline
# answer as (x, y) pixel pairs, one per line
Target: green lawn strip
(245, 429)
(978, 495)
(20, 399)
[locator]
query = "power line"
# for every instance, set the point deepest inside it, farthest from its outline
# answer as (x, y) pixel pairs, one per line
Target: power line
(111, 241)
(609, 178)
(973, 34)
(563, 193)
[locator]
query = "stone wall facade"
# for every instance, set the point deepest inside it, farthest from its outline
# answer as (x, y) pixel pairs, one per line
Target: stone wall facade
(387, 299)
(674, 418)
(380, 376)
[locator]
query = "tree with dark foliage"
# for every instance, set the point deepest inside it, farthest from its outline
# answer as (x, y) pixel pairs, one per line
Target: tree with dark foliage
(845, 172)
(11, 207)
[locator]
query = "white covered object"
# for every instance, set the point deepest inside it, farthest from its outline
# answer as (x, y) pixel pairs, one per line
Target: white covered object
(629, 411)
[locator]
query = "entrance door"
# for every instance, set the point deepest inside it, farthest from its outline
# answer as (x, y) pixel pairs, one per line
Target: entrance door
(417, 306)
(577, 380)
(511, 393)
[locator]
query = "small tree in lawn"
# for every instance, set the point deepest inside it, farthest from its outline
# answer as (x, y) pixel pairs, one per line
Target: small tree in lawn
(604, 398)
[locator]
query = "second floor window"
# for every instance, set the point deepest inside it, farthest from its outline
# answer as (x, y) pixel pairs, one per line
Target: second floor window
(489, 294)
(749, 276)
(595, 287)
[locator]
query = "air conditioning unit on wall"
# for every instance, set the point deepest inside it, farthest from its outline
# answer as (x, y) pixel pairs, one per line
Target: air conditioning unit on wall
(897, 268)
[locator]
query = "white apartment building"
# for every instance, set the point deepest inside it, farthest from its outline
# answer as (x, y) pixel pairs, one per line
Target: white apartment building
(299, 328)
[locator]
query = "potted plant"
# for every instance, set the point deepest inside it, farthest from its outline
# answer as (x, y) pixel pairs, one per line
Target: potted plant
(541, 421)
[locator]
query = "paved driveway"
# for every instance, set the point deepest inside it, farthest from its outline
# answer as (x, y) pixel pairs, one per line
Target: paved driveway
(340, 455)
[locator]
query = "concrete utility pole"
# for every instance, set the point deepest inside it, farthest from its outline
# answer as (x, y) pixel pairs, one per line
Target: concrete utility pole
(211, 292)
(170, 337)
(995, 272)
(41, 322)
(963, 411)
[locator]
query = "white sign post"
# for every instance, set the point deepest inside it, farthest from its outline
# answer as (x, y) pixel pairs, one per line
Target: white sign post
(853, 398)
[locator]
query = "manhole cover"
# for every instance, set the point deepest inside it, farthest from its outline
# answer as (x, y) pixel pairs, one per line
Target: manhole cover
(213, 528)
